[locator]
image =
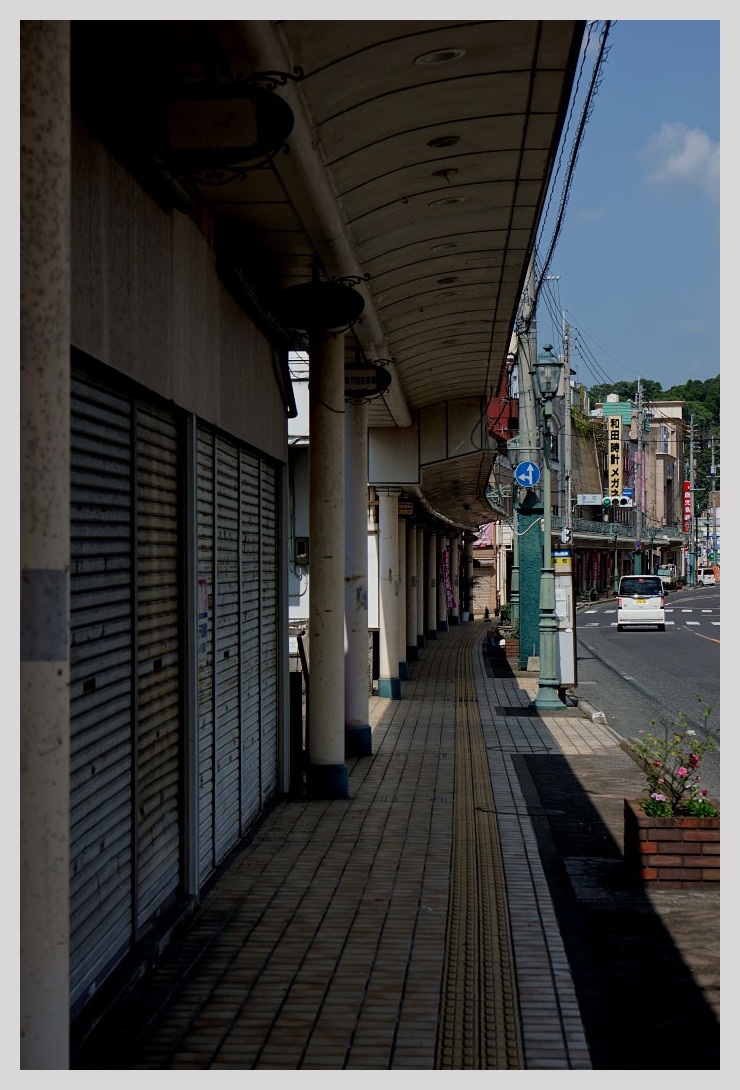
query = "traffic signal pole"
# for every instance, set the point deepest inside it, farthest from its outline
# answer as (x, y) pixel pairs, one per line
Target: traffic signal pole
(639, 486)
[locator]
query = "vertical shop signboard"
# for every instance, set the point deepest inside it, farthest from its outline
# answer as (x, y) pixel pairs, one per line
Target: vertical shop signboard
(686, 506)
(614, 452)
(562, 562)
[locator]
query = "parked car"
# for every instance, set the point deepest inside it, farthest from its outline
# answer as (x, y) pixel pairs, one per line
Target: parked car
(640, 601)
(667, 573)
(705, 577)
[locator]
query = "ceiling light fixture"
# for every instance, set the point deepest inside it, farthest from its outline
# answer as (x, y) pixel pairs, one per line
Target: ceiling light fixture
(439, 56)
(446, 246)
(443, 141)
(444, 201)
(446, 174)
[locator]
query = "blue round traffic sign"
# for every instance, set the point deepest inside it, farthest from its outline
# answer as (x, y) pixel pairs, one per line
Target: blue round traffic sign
(527, 474)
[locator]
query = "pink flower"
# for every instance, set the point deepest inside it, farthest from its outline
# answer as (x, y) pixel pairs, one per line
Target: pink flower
(661, 780)
(657, 764)
(657, 797)
(682, 772)
(693, 760)
(705, 792)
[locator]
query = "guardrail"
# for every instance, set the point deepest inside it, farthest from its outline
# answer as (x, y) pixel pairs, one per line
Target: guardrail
(623, 529)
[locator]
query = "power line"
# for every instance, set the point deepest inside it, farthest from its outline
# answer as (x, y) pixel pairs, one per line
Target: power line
(586, 112)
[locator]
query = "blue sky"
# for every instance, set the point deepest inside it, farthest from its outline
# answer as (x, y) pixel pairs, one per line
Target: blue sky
(638, 256)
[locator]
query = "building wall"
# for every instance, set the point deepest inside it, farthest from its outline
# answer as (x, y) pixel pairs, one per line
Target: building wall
(147, 300)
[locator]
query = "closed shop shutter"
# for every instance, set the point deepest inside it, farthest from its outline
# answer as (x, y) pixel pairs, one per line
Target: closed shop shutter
(205, 484)
(226, 649)
(237, 654)
(269, 631)
(158, 663)
(250, 637)
(125, 839)
(101, 684)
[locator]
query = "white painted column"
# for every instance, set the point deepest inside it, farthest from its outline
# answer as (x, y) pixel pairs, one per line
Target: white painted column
(419, 586)
(403, 668)
(412, 651)
(469, 573)
(431, 574)
(442, 622)
(455, 578)
(44, 544)
(389, 681)
(327, 776)
(357, 732)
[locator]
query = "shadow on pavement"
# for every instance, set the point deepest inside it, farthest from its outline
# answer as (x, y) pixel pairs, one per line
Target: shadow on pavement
(645, 966)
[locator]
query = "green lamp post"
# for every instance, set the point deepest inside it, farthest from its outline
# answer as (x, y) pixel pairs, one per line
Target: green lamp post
(546, 382)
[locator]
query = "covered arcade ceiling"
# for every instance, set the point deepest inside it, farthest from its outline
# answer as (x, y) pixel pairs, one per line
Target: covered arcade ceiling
(416, 163)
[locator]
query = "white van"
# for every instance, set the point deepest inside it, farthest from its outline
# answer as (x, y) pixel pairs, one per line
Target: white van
(705, 577)
(668, 575)
(640, 602)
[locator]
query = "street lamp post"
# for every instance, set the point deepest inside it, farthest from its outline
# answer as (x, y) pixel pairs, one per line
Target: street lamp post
(546, 381)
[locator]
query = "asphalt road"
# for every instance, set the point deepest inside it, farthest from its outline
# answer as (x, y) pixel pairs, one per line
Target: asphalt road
(642, 676)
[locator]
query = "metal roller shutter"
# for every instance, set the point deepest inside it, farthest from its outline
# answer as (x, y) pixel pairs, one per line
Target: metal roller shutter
(125, 803)
(237, 650)
(101, 686)
(158, 663)
(269, 631)
(205, 551)
(226, 649)
(250, 637)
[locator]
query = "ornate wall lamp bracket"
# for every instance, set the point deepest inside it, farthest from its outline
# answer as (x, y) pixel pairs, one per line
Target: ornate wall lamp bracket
(219, 130)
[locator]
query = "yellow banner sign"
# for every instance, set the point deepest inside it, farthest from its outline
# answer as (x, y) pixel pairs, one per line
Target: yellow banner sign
(614, 453)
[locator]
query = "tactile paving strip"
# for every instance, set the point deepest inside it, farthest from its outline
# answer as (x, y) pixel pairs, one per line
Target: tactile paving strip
(479, 1023)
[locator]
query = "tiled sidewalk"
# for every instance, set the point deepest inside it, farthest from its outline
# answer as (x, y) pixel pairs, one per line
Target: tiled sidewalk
(322, 946)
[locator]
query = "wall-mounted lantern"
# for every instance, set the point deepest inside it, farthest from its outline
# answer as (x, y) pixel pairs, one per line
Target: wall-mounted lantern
(365, 380)
(220, 129)
(321, 307)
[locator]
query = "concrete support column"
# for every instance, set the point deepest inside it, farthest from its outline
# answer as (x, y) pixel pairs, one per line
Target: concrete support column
(44, 543)
(403, 668)
(327, 775)
(389, 681)
(466, 560)
(455, 579)
(412, 651)
(419, 587)
(357, 731)
(431, 573)
(442, 622)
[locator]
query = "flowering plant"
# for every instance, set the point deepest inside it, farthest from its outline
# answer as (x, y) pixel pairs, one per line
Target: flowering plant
(671, 763)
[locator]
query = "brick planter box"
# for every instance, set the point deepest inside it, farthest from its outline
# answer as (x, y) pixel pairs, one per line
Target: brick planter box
(671, 852)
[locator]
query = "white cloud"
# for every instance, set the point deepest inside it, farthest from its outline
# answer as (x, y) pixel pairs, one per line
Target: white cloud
(678, 156)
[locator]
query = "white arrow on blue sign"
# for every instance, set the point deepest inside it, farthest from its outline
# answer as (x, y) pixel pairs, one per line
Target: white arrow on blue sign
(527, 474)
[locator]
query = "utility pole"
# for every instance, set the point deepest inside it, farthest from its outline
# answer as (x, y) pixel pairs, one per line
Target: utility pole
(526, 445)
(637, 565)
(713, 470)
(568, 424)
(692, 547)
